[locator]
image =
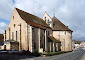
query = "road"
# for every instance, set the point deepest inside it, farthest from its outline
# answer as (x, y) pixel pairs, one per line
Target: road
(75, 55)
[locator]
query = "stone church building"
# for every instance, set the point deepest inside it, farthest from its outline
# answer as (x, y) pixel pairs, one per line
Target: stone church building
(28, 32)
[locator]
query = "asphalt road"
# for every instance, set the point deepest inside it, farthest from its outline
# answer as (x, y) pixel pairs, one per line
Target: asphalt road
(75, 55)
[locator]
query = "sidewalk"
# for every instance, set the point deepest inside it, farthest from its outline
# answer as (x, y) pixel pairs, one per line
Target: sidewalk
(83, 58)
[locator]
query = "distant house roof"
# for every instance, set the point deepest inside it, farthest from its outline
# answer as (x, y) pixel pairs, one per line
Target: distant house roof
(1, 37)
(57, 25)
(32, 20)
(53, 39)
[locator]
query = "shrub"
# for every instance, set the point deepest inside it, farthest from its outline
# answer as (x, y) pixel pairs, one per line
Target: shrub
(36, 54)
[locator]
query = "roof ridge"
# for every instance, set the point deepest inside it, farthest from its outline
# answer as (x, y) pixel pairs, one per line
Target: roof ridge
(31, 18)
(47, 14)
(27, 12)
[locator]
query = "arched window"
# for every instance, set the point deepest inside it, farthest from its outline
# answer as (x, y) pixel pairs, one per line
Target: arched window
(12, 35)
(14, 25)
(16, 35)
(13, 17)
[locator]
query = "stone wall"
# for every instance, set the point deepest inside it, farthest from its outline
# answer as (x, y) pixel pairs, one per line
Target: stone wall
(66, 39)
(14, 26)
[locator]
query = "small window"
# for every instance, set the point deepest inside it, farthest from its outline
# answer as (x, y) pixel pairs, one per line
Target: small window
(33, 29)
(14, 25)
(13, 17)
(48, 20)
(45, 19)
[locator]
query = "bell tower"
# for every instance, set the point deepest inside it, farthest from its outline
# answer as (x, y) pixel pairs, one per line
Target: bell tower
(48, 19)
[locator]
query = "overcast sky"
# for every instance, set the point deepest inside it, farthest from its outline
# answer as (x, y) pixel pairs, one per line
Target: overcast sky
(70, 12)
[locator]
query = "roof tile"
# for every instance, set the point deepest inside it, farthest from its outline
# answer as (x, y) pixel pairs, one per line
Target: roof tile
(53, 39)
(33, 20)
(58, 25)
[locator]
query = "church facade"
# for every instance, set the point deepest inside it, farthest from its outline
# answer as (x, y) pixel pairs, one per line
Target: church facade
(28, 32)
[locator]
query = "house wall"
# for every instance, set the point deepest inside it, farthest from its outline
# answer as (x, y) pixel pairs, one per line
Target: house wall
(66, 39)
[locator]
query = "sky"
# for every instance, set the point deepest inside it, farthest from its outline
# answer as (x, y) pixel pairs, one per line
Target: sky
(70, 12)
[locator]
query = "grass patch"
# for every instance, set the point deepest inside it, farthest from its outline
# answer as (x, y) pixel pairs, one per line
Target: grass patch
(54, 53)
(48, 53)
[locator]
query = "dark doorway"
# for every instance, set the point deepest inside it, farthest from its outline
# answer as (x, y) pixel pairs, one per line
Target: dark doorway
(4, 47)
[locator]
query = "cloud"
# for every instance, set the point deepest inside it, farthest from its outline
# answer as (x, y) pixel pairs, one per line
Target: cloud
(70, 12)
(2, 27)
(6, 8)
(2, 24)
(36, 7)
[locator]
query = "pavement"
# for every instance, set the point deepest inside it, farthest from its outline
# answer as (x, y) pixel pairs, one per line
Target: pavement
(75, 55)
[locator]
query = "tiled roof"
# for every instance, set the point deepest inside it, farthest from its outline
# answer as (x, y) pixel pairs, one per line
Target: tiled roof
(53, 39)
(1, 37)
(32, 20)
(59, 25)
